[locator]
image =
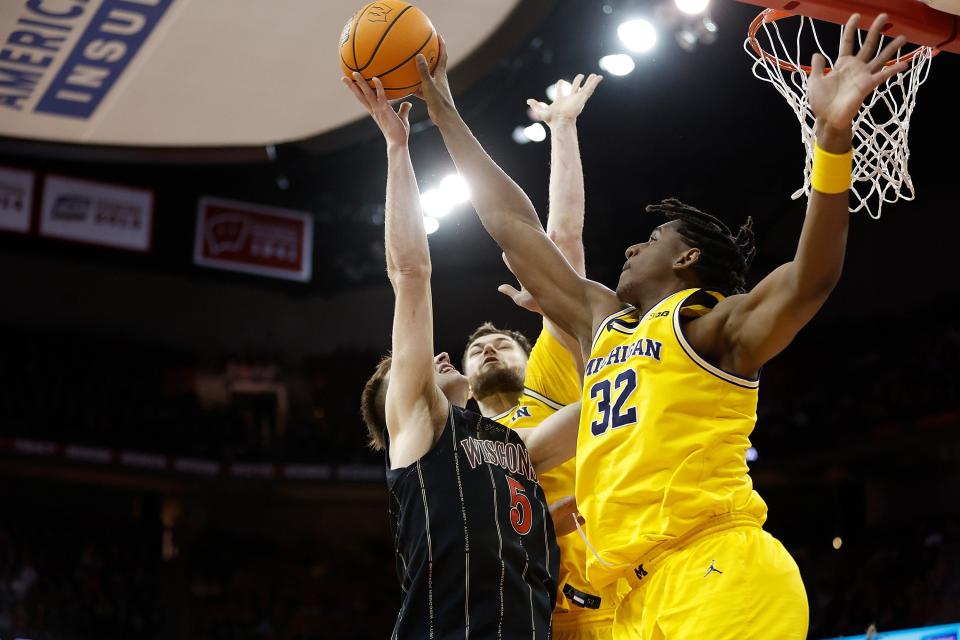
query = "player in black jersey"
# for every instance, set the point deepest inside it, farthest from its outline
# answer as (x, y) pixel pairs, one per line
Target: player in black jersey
(475, 547)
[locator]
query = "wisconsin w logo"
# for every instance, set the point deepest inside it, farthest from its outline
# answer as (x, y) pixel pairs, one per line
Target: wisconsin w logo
(378, 13)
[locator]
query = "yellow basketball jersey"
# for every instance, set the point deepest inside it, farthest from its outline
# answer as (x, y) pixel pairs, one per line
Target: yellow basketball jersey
(552, 382)
(663, 437)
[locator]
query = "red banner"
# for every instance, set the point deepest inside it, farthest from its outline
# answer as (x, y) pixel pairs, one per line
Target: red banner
(251, 238)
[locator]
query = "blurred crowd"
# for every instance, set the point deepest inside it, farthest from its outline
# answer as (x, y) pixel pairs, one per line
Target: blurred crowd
(63, 579)
(893, 577)
(858, 383)
(96, 569)
(105, 392)
(245, 588)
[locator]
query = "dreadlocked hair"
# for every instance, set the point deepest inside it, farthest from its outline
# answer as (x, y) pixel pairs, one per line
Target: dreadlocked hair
(724, 258)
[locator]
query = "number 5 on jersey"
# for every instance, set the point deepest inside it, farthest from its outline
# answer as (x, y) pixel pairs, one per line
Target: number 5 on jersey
(614, 416)
(521, 514)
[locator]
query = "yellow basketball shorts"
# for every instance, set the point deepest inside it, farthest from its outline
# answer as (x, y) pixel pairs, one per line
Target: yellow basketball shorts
(583, 625)
(589, 632)
(737, 584)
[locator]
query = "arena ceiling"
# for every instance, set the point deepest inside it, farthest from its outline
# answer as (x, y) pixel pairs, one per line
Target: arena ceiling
(199, 73)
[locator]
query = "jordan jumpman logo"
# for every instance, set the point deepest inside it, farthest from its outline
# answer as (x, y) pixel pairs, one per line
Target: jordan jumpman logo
(712, 569)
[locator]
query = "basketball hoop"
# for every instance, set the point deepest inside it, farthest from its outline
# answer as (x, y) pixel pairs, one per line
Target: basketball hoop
(881, 128)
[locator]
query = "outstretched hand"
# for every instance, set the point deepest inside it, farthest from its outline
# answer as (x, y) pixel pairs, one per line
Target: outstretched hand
(521, 297)
(836, 97)
(435, 87)
(395, 125)
(569, 101)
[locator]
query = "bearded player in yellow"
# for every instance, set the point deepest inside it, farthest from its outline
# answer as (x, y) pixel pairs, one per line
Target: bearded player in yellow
(670, 387)
(521, 392)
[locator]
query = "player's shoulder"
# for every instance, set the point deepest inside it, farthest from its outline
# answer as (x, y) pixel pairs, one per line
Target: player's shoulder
(708, 310)
(533, 408)
(625, 318)
(546, 349)
(603, 303)
(701, 303)
(705, 318)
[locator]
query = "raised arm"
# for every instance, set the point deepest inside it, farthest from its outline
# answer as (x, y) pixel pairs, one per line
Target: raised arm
(415, 407)
(567, 201)
(750, 329)
(572, 301)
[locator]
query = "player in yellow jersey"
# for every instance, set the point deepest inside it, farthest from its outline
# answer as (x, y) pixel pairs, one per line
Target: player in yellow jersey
(670, 388)
(521, 392)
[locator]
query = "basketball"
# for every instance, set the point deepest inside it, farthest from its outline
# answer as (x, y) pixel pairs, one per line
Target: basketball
(382, 41)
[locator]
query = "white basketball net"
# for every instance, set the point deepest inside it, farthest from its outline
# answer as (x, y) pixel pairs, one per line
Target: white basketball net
(880, 130)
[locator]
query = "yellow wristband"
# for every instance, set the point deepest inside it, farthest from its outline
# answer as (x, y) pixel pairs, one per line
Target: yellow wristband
(832, 172)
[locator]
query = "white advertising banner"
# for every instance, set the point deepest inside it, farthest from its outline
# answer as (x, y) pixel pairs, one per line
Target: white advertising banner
(16, 199)
(97, 213)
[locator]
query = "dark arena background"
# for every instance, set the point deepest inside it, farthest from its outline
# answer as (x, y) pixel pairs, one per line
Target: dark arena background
(181, 450)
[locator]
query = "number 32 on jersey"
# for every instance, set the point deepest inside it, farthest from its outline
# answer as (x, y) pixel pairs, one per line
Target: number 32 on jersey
(611, 396)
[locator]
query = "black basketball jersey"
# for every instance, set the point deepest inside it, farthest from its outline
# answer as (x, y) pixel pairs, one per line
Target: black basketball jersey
(475, 548)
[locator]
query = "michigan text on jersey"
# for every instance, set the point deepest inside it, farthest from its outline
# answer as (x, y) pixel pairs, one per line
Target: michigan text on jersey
(644, 348)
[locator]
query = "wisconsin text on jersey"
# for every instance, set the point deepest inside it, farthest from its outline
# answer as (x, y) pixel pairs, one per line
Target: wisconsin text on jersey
(641, 348)
(507, 455)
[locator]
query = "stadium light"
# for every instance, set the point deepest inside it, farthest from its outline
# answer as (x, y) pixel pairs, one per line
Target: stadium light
(430, 225)
(637, 35)
(535, 132)
(519, 136)
(692, 7)
(837, 543)
(752, 454)
(618, 64)
(454, 189)
(435, 204)
(687, 39)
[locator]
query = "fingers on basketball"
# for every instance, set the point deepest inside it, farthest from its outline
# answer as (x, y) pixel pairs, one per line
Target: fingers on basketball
(354, 89)
(423, 68)
(442, 62)
(363, 86)
(426, 78)
(378, 87)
